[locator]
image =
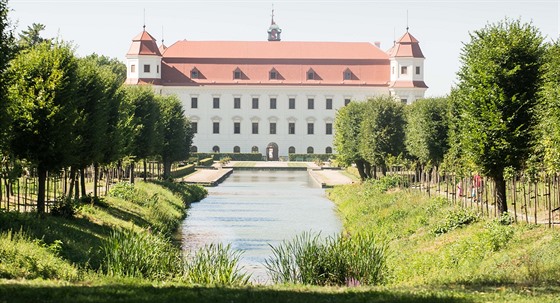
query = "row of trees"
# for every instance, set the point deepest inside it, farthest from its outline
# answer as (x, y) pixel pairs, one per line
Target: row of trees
(59, 111)
(502, 117)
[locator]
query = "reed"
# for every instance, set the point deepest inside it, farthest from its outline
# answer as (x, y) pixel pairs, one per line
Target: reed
(216, 264)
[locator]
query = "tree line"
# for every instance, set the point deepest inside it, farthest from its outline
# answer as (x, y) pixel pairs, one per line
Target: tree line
(501, 120)
(58, 111)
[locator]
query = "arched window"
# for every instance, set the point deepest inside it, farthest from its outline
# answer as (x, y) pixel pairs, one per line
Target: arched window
(194, 149)
(254, 149)
(291, 150)
(328, 150)
(236, 149)
(310, 150)
(216, 149)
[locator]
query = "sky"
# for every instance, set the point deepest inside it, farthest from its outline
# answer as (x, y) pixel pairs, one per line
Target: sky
(442, 27)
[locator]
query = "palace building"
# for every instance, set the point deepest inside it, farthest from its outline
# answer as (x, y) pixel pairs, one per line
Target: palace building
(273, 97)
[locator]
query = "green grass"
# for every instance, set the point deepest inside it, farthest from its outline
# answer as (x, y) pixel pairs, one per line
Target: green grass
(245, 164)
(297, 164)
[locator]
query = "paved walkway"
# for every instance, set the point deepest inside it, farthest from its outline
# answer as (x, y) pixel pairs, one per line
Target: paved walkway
(207, 177)
(330, 177)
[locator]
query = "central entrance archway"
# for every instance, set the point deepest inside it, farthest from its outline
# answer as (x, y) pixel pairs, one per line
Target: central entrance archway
(272, 152)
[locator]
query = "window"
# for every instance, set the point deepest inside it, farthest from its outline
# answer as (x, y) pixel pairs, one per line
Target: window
(236, 149)
(404, 70)
(329, 104)
(146, 68)
(194, 74)
(236, 127)
(255, 149)
(194, 102)
(216, 102)
(292, 103)
(272, 103)
(310, 103)
(273, 75)
(216, 149)
(237, 74)
(310, 75)
(393, 70)
(404, 101)
(328, 150)
(194, 149)
(255, 103)
(346, 101)
(347, 75)
(273, 128)
(194, 127)
(418, 70)
(255, 128)
(310, 128)
(291, 128)
(236, 102)
(328, 128)
(310, 150)
(133, 68)
(157, 69)
(291, 150)
(216, 127)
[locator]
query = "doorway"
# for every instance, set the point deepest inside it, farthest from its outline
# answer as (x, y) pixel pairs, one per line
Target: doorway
(272, 152)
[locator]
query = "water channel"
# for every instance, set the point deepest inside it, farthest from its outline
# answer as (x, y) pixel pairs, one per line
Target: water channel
(252, 209)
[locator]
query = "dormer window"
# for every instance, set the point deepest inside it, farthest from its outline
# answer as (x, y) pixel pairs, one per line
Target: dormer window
(133, 68)
(418, 70)
(347, 75)
(404, 70)
(273, 74)
(237, 74)
(310, 74)
(146, 68)
(195, 73)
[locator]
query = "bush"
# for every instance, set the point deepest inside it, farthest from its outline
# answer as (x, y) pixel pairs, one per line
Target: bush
(310, 157)
(206, 162)
(183, 171)
(232, 156)
(97, 201)
(340, 260)
(123, 190)
(215, 264)
(64, 207)
(455, 218)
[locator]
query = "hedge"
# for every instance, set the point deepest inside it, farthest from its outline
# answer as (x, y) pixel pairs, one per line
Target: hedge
(182, 171)
(233, 156)
(206, 161)
(310, 157)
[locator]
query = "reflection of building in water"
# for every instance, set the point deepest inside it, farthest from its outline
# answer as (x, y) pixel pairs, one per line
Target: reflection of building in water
(247, 96)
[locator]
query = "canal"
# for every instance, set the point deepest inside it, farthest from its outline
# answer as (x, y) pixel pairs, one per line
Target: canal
(252, 209)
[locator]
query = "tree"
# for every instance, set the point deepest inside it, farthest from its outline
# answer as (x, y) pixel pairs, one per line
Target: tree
(177, 135)
(427, 130)
(496, 98)
(114, 65)
(43, 107)
(32, 36)
(382, 131)
(6, 54)
(346, 137)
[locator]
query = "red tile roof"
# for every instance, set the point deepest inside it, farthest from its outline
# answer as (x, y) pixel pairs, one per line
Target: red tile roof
(408, 84)
(144, 44)
(407, 46)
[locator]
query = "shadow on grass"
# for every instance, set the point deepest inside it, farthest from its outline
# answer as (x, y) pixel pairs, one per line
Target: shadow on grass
(14, 293)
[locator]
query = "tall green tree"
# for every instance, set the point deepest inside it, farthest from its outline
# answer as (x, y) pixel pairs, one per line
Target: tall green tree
(44, 109)
(382, 131)
(31, 37)
(115, 65)
(6, 54)
(496, 98)
(177, 134)
(347, 136)
(427, 130)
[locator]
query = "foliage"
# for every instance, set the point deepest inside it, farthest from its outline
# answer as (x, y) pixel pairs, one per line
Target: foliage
(64, 207)
(123, 190)
(310, 157)
(496, 98)
(6, 54)
(32, 36)
(455, 218)
(206, 161)
(215, 264)
(233, 156)
(182, 171)
(341, 260)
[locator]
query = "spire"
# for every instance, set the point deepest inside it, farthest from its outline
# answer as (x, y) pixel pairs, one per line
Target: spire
(274, 30)
(144, 26)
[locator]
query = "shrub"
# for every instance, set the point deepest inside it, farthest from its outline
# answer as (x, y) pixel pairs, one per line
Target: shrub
(232, 156)
(216, 264)
(64, 207)
(454, 219)
(183, 171)
(123, 190)
(206, 162)
(310, 157)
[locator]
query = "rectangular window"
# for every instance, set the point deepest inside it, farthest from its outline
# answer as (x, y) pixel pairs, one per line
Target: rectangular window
(273, 128)
(133, 68)
(346, 101)
(216, 102)
(292, 103)
(216, 127)
(328, 128)
(404, 70)
(310, 75)
(329, 104)
(291, 128)
(310, 128)
(255, 127)
(418, 70)
(393, 70)
(236, 127)
(146, 68)
(347, 75)
(310, 103)
(236, 102)
(273, 75)
(194, 102)
(194, 74)
(255, 103)
(404, 101)
(237, 74)
(272, 103)
(194, 127)
(157, 69)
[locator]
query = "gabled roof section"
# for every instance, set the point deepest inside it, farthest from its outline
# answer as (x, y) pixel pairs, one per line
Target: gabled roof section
(144, 44)
(406, 46)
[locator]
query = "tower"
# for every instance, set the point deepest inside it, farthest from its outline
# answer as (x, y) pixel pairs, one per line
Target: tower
(274, 30)
(407, 69)
(143, 60)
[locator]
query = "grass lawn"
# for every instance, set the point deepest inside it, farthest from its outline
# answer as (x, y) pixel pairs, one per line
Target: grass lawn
(245, 164)
(297, 164)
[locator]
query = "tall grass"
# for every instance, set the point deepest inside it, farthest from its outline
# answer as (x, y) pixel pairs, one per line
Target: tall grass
(216, 264)
(339, 260)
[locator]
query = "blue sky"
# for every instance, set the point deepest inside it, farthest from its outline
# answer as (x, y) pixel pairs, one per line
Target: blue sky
(107, 27)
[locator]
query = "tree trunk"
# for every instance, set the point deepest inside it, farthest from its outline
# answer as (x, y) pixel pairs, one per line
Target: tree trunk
(83, 181)
(145, 170)
(361, 169)
(77, 186)
(500, 184)
(42, 174)
(383, 170)
(95, 178)
(72, 180)
(132, 172)
(166, 169)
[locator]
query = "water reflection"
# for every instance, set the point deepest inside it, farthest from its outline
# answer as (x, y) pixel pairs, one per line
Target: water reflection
(253, 209)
